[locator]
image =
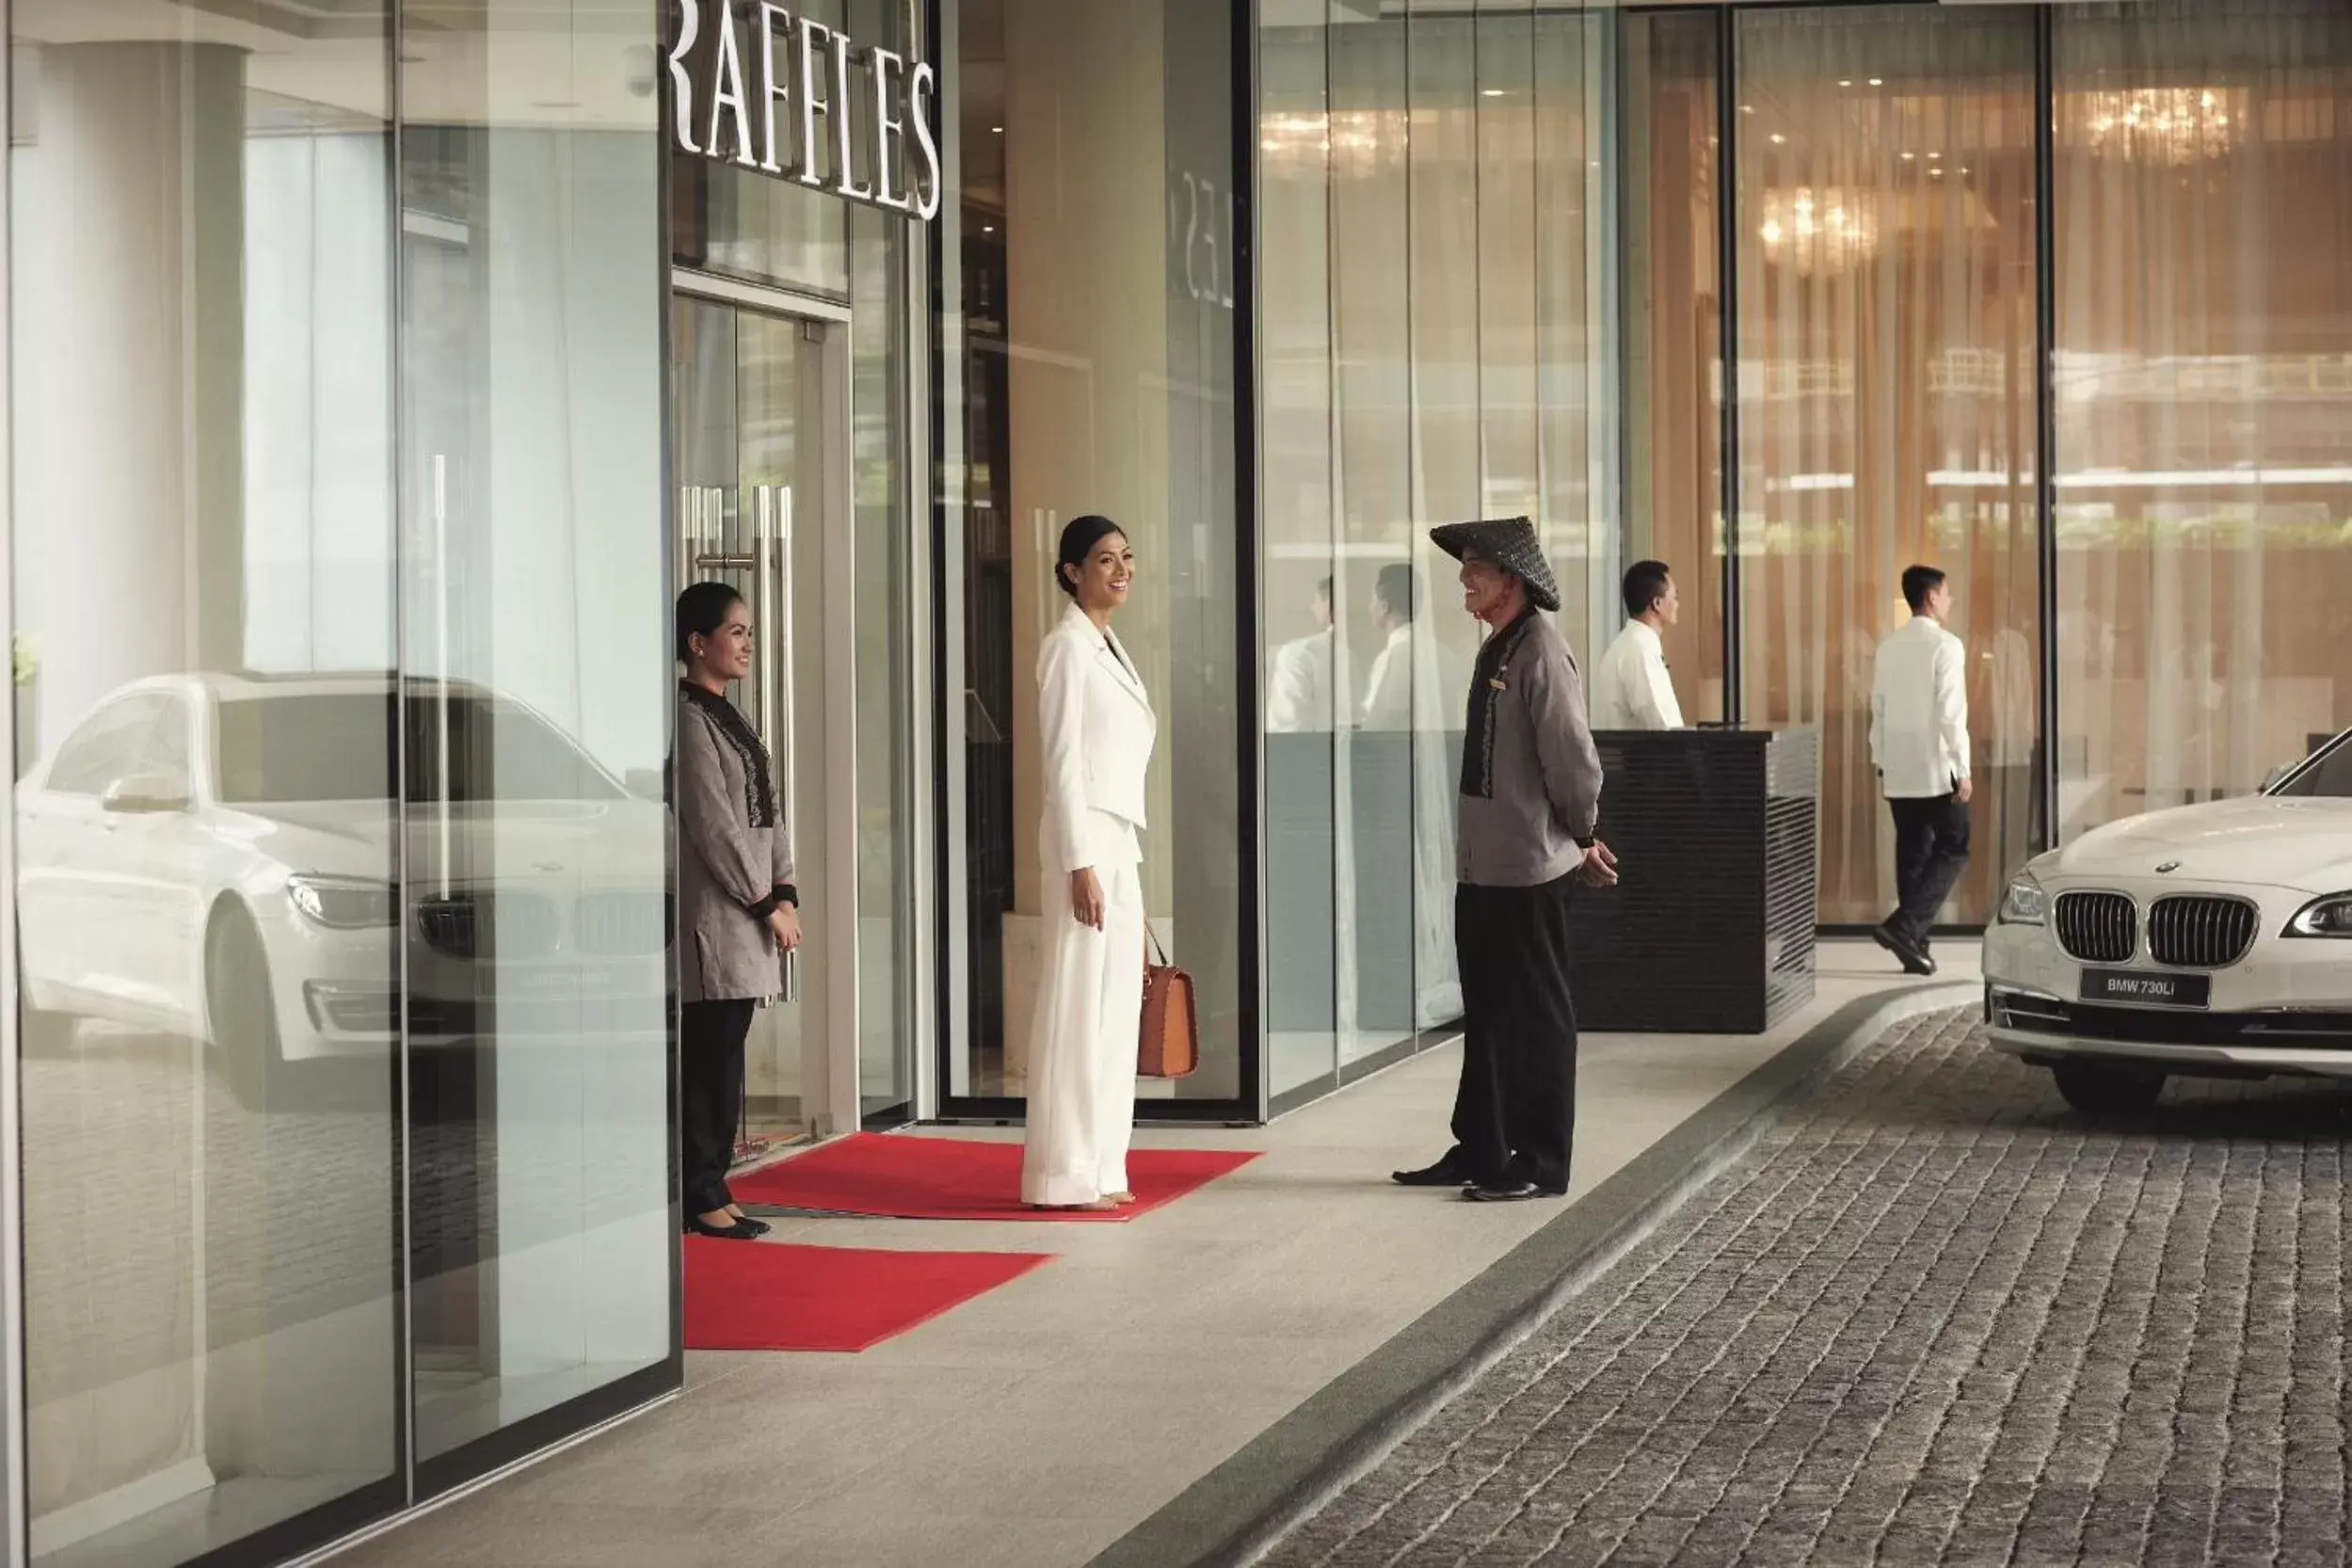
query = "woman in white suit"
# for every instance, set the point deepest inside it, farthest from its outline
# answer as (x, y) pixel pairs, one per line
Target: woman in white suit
(1095, 721)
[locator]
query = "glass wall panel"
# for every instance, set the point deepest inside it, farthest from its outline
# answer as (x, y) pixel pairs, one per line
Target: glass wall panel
(206, 775)
(1094, 223)
(887, 600)
(1886, 300)
(1308, 695)
(2204, 397)
(1673, 347)
(1372, 392)
(534, 716)
(1429, 250)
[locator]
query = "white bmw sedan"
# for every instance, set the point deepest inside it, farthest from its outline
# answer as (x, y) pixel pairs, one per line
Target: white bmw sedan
(213, 857)
(2209, 940)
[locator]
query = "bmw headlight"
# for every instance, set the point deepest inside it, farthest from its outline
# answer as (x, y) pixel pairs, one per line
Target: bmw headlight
(342, 902)
(2322, 916)
(2024, 902)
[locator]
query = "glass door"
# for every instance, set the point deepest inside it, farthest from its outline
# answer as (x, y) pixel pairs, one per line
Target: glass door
(760, 445)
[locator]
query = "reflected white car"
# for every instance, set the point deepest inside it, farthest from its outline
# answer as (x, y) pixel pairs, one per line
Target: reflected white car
(217, 856)
(2209, 940)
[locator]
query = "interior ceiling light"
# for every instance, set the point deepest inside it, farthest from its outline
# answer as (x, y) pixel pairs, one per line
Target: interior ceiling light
(1818, 231)
(2167, 125)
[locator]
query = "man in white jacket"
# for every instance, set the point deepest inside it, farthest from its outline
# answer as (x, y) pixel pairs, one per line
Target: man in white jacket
(1301, 698)
(1631, 688)
(1919, 743)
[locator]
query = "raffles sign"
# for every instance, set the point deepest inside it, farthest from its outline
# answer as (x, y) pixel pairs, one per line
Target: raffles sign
(760, 85)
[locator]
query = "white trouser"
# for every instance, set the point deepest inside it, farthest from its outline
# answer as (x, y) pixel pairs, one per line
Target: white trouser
(1083, 1044)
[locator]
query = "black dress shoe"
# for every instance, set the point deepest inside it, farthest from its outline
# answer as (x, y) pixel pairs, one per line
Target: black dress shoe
(1508, 1192)
(1443, 1174)
(759, 1227)
(741, 1230)
(1913, 957)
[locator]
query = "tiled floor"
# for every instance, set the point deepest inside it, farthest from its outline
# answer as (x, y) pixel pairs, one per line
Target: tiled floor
(1034, 1426)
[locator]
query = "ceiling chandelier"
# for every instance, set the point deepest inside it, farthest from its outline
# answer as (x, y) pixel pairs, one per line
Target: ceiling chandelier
(2164, 125)
(1814, 232)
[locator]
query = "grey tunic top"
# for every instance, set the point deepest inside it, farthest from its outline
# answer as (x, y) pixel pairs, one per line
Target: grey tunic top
(1530, 776)
(735, 859)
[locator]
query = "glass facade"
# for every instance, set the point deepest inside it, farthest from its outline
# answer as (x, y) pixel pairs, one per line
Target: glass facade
(1938, 251)
(1435, 343)
(1087, 281)
(374, 383)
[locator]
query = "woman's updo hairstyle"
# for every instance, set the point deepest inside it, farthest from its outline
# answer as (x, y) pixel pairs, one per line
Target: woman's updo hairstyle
(702, 609)
(1079, 537)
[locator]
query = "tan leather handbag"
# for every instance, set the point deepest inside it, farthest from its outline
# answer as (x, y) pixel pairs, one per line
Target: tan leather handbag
(1170, 1043)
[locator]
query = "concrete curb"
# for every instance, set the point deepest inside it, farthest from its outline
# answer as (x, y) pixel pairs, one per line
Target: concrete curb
(1234, 1514)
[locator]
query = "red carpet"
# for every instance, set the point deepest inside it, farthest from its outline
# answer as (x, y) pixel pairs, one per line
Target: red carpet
(775, 1296)
(902, 1177)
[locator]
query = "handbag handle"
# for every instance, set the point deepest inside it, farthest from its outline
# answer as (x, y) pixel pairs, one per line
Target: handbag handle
(1152, 948)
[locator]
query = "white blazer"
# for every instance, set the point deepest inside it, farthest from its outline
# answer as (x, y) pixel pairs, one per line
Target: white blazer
(1096, 723)
(1631, 688)
(1919, 712)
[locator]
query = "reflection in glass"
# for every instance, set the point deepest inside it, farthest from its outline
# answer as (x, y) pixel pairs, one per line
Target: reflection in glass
(541, 1227)
(1886, 297)
(1674, 339)
(1430, 347)
(2203, 365)
(1094, 227)
(208, 936)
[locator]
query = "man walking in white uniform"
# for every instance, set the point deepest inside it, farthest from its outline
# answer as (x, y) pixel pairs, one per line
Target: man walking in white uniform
(1919, 743)
(1631, 688)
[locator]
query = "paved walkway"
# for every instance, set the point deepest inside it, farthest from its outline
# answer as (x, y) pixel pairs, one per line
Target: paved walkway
(1042, 1423)
(1931, 1317)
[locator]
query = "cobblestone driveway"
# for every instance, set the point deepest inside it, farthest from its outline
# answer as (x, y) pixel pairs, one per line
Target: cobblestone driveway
(1932, 1318)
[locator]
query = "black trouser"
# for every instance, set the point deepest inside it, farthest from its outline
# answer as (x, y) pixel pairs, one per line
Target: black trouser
(711, 1037)
(1931, 847)
(1516, 1109)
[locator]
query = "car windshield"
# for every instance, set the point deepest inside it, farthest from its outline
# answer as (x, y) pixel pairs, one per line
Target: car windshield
(330, 747)
(2330, 776)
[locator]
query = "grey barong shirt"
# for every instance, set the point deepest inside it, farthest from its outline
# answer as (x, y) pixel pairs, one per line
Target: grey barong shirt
(1530, 778)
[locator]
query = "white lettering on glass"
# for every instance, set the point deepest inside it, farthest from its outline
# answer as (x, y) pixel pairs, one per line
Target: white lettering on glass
(922, 96)
(845, 156)
(831, 112)
(728, 92)
(682, 86)
(890, 131)
(774, 19)
(813, 104)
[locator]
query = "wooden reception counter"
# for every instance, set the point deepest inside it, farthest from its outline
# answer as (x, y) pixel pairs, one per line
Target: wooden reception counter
(1709, 930)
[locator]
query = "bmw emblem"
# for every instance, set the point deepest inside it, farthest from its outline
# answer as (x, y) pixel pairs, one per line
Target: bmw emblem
(2168, 867)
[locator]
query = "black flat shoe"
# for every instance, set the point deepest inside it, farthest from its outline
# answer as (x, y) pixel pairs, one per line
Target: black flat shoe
(1508, 1192)
(741, 1230)
(1443, 1174)
(759, 1227)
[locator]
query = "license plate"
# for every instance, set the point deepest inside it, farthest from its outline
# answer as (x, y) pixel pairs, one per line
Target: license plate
(2148, 990)
(547, 983)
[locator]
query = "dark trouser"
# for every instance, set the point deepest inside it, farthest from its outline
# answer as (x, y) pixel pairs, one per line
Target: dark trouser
(1515, 1110)
(1931, 847)
(711, 1037)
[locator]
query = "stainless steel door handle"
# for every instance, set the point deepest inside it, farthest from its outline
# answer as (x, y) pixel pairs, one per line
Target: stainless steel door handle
(772, 605)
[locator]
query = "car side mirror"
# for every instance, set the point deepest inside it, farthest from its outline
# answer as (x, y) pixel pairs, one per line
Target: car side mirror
(146, 794)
